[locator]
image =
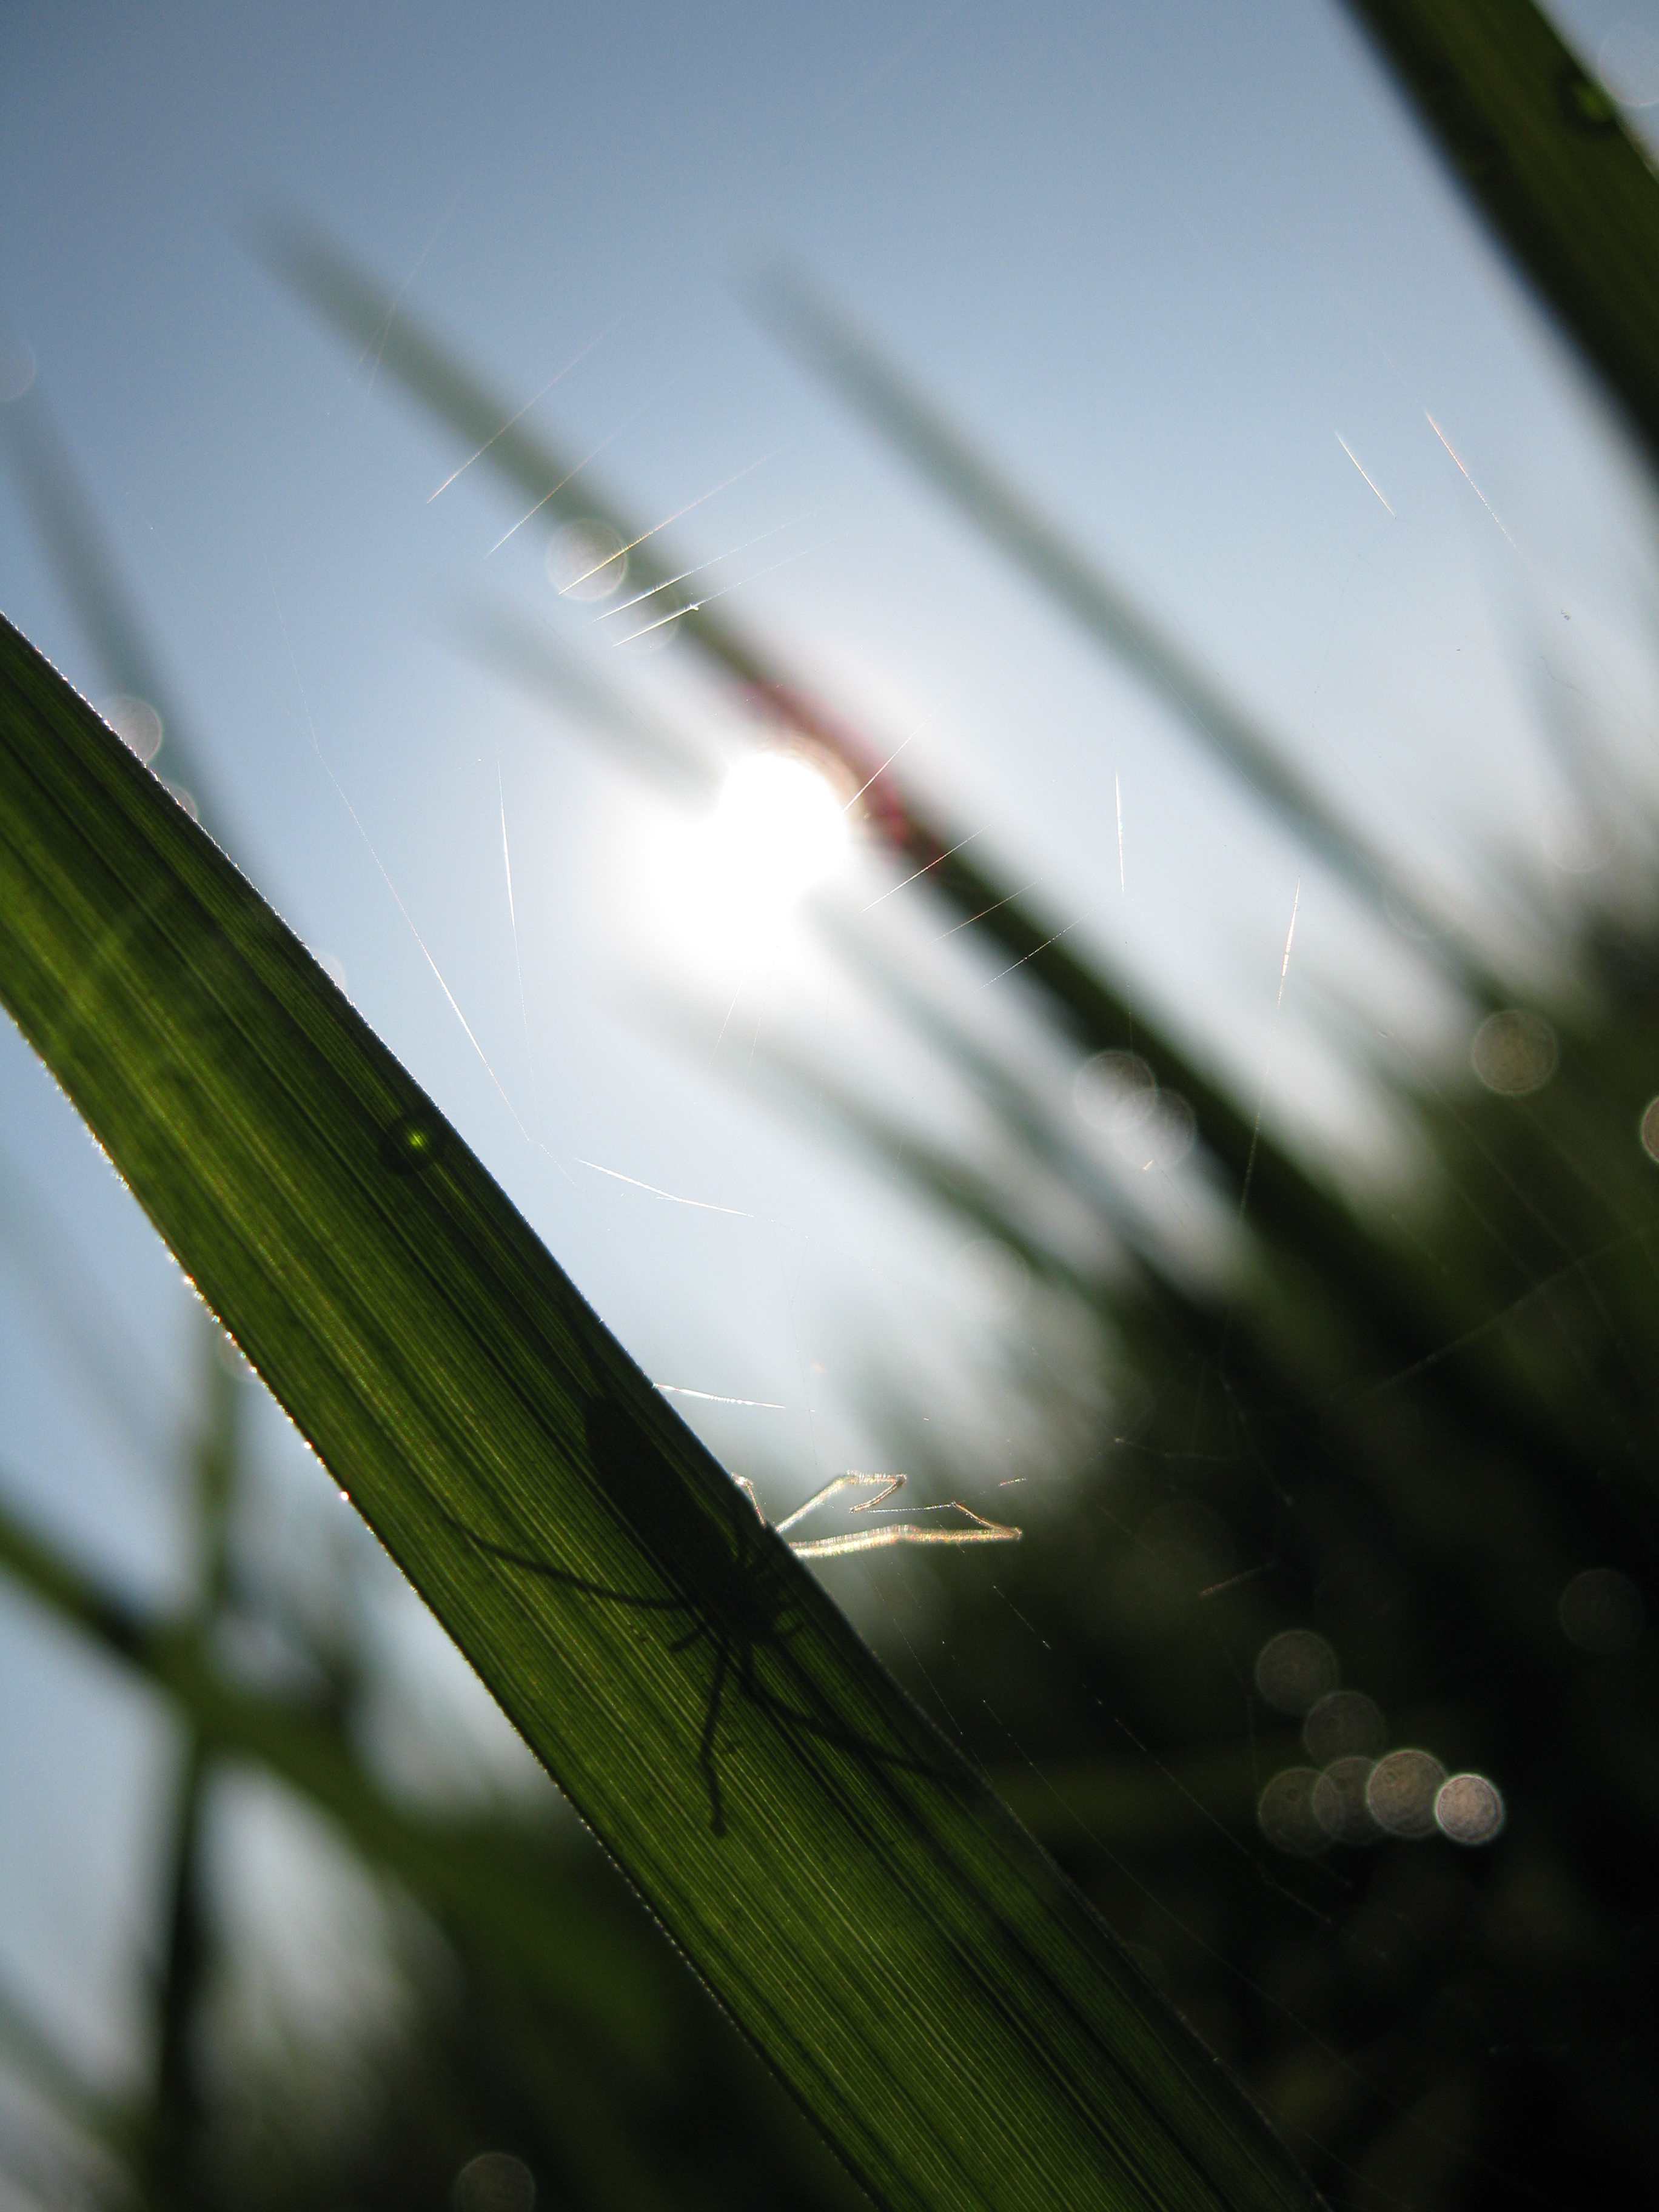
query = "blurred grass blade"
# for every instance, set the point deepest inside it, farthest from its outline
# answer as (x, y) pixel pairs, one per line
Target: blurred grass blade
(939, 1999)
(545, 670)
(74, 541)
(562, 489)
(494, 1885)
(177, 2100)
(1284, 1201)
(828, 342)
(524, 1900)
(87, 1328)
(26, 2044)
(1541, 148)
(1373, 1289)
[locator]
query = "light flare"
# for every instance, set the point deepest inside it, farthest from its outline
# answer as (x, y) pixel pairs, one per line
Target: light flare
(1463, 467)
(1369, 479)
(726, 888)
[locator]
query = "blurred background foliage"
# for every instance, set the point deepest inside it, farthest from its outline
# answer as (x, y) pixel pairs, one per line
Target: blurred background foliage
(1324, 1667)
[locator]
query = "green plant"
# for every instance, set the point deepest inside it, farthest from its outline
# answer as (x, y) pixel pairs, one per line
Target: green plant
(1413, 1429)
(946, 2007)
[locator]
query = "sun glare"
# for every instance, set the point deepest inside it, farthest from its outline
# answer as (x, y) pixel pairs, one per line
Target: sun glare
(728, 884)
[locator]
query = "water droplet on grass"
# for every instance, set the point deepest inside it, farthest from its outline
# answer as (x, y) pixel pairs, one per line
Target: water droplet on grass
(136, 722)
(234, 1360)
(1585, 103)
(415, 1142)
(333, 968)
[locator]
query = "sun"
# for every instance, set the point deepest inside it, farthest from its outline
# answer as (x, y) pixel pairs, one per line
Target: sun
(726, 886)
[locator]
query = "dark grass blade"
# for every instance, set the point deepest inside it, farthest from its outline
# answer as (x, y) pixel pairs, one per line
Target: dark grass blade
(941, 2001)
(176, 2102)
(1542, 150)
(823, 338)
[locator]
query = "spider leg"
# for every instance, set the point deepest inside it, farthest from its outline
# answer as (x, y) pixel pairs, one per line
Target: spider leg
(830, 1732)
(851, 1480)
(747, 1489)
(692, 1636)
(548, 1572)
(906, 1532)
(842, 1738)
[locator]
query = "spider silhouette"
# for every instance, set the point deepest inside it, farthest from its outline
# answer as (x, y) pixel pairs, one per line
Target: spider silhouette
(726, 1577)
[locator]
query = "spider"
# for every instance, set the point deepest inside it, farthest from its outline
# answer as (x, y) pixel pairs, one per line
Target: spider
(733, 1592)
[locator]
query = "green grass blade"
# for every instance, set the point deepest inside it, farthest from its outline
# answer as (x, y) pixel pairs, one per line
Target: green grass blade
(176, 2102)
(531, 1908)
(487, 1882)
(939, 1999)
(1541, 148)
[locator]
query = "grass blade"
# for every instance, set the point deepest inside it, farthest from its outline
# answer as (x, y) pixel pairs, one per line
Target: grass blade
(817, 334)
(1541, 148)
(529, 1905)
(938, 1998)
(1285, 1202)
(82, 558)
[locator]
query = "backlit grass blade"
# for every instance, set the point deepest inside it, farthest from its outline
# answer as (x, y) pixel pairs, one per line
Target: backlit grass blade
(938, 1998)
(1543, 149)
